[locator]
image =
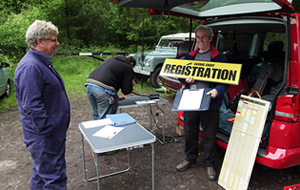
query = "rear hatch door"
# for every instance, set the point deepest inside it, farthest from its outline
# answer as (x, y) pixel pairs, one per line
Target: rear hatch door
(217, 8)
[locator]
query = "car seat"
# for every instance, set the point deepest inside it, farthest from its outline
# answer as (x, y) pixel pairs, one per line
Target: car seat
(272, 68)
(275, 53)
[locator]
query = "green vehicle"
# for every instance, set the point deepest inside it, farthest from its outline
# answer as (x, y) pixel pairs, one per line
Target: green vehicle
(4, 80)
(169, 46)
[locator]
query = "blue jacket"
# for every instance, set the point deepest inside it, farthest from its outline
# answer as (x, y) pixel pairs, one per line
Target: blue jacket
(42, 99)
(216, 56)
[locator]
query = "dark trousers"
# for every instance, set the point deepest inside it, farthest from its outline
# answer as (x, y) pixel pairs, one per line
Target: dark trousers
(209, 121)
(49, 165)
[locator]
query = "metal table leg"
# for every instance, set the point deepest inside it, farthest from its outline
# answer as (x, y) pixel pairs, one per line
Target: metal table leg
(98, 177)
(152, 145)
(162, 141)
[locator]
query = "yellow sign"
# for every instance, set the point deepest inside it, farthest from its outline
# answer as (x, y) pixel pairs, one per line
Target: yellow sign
(228, 73)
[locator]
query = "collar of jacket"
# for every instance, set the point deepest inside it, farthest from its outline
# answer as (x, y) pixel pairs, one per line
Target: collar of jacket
(214, 52)
(43, 57)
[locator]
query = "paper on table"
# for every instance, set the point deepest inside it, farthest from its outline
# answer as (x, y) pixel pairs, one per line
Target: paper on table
(97, 123)
(191, 99)
(108, 132)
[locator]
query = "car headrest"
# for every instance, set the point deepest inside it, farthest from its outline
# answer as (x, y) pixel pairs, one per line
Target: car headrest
(275, 46)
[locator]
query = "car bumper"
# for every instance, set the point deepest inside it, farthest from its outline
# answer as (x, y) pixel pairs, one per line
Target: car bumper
(170, 83)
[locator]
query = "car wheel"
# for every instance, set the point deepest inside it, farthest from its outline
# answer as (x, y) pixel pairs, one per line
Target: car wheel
(154, 78)
(8, 88)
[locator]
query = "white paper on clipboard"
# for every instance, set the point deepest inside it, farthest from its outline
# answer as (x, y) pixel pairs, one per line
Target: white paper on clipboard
(191, 99)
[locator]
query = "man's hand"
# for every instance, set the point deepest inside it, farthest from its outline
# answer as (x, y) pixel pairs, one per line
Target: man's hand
(213, 93)
(190, 80)
(121, 97)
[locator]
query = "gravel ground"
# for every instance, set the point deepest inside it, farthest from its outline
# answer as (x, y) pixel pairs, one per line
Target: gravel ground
(15, 161)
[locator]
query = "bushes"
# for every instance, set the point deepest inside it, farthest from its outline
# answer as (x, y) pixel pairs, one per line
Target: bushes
(12, 32)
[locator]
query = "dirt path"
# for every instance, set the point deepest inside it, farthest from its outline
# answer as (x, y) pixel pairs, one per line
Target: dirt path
(15, 161)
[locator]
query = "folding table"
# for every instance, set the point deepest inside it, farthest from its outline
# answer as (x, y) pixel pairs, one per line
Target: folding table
(130, 102)
(132, 136)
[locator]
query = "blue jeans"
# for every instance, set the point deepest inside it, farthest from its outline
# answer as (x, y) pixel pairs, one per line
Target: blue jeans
(100, 102)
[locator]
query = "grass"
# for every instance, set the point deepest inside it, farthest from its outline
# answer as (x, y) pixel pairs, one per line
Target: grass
(74, 71)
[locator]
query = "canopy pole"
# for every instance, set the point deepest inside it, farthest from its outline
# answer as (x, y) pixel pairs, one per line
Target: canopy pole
(143, 43)
(166, 8)
(191, 28)
(143, 36)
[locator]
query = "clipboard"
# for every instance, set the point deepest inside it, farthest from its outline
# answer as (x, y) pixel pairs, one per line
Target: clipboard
(191, 100)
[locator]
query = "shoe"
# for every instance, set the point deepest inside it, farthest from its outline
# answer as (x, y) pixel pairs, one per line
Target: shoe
(211, 173)
(183, 166)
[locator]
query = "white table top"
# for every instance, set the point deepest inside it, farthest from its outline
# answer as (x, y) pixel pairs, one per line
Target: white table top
(130, 101)
(132, 135)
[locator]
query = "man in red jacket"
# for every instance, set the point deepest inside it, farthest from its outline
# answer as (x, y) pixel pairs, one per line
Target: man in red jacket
(209, 119)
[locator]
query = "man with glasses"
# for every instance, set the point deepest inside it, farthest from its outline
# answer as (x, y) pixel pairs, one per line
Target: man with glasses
(44, 107)
(209, 119)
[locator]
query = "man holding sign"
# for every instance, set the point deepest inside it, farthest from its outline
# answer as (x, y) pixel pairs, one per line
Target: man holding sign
(210, 118)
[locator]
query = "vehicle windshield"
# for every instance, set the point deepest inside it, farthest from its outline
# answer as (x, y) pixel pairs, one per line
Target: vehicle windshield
(164, 43)
(170, 43)
(208, 8)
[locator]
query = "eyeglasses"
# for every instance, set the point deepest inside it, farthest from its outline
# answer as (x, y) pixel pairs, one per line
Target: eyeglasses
(53, 40)
(202, 37)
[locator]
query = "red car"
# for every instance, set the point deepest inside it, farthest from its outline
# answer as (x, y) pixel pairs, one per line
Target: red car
(264, 37)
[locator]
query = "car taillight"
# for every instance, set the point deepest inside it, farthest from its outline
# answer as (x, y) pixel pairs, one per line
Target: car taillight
(181, 118)
(287, 108)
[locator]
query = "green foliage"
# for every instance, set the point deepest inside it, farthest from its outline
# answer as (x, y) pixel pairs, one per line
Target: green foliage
(84, 24)
(87, 23)
(130, 26)
(12, 31)
(8, 103)
(74, 71)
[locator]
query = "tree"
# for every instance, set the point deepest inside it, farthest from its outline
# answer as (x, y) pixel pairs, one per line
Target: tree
(87, 23)
(12, 31)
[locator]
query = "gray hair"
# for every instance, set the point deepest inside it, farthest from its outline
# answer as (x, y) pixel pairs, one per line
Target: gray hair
(208, 29)
(39, 29)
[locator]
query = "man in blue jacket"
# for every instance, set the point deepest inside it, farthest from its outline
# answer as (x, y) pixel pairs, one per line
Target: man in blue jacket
(44, 107)
(209, 119)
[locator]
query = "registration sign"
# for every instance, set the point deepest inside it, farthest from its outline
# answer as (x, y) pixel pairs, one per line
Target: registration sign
(228, 73)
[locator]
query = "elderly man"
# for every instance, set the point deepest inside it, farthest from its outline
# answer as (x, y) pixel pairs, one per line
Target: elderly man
(209, 119)
(44, 107)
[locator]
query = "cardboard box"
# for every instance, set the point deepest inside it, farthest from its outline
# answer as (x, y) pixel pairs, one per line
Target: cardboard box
(180, 130)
